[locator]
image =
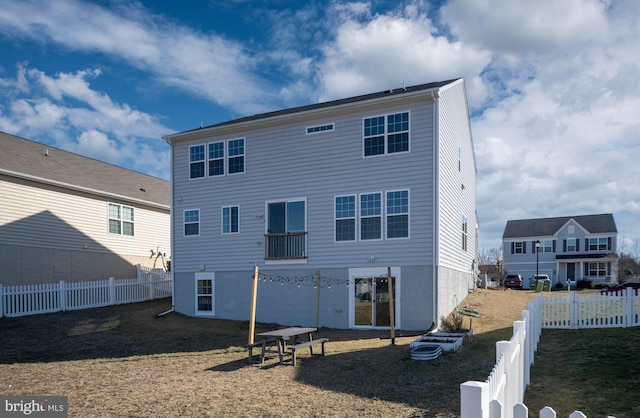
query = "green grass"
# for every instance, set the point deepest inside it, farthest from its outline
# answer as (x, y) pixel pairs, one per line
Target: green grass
(596, 371)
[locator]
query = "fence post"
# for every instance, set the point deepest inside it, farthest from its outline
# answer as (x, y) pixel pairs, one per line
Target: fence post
(62, 296)
(573, 321)
(150, 278)
(138, 271)
(474, 400)
(1, 301)
(112, 291)
(520, 329)
(526, 355)
(504, 349)
(627, 304)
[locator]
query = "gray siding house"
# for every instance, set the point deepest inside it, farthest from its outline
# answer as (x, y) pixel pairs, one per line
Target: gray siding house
(326, 199)
(68, 217)
(565, 248)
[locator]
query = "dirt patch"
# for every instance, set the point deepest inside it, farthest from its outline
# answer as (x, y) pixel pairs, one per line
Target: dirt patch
(127, 360)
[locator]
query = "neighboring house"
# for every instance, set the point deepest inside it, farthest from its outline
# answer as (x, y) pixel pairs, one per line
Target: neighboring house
(569, 248)
(67, 217)
(330, 194)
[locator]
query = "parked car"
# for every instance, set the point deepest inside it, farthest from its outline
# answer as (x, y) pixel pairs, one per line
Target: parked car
(533, 283)
(620, 288)
(513, 281)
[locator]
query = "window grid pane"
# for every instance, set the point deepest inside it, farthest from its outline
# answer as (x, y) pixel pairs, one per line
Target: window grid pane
(398, 143)
(345, 218)
(236, 165)
(374, 126)
(398, 122)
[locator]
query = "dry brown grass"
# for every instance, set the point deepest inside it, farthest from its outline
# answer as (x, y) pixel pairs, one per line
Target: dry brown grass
(125, 361)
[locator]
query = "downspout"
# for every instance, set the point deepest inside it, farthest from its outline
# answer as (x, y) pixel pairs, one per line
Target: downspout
(436, 199)
(171, 245)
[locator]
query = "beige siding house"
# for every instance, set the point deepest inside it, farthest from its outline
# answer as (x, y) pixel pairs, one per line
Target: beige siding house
(68, 217)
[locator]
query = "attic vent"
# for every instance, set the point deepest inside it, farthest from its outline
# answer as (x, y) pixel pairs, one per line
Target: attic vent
(143, 190)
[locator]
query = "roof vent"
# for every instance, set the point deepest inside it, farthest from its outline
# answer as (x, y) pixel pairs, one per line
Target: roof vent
(46, 153)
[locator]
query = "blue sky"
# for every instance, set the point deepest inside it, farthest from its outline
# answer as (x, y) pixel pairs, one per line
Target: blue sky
(553, 86)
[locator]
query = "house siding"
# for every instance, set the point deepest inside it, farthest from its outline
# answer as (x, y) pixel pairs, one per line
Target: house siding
(456, 198)
(283, 162)
(44, 230)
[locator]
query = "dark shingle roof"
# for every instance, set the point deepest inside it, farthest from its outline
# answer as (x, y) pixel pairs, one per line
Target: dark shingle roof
(293, 110)
(548, 226)
(21, 157)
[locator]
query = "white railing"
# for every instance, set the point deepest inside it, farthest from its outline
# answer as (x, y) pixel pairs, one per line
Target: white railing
(33, 299)
(501, 395)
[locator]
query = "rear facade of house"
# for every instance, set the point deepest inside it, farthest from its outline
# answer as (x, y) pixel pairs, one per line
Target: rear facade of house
(329, 201)
(569, 248)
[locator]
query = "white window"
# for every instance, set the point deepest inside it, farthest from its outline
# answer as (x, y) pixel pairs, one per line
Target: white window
(192, 222)
(599, 244)
(572, 245)
(196, 161)
(386, 134)
(398, 214)
(546, 246)
(230, 219)
(370, 216)
(205, 302)
(345, 212)
(120, 219)
(519, 247)
(236, 156)
(216, 159)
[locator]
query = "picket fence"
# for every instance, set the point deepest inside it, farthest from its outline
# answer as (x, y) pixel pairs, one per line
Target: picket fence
(34, 299)
(502, 394)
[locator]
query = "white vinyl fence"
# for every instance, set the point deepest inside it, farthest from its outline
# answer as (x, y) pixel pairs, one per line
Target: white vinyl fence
(502, 394)
(33, 299)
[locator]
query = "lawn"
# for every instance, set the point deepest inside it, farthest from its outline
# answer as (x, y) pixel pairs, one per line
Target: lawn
(128, 361)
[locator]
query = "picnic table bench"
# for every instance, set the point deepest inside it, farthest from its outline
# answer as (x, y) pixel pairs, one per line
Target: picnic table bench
(280, 338)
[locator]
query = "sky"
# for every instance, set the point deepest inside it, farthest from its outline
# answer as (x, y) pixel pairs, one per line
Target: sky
(553, 86)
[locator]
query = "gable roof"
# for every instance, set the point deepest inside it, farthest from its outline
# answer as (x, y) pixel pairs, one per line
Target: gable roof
(317, 106)
(23, 158)
(525, 228)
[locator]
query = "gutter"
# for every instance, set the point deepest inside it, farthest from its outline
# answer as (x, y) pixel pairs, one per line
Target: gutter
(436, 199)
(89, 190)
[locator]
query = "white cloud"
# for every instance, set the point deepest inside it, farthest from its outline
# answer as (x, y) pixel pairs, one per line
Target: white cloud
(205, 65)
(395, 49)
(64, 110)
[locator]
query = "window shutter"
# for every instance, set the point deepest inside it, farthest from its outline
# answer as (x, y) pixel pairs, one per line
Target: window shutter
(577, 245)
(609, 243)
(564, 245)
(513, 247)
(554, 245)
(586, 269)
(524, 247)
(586, 244)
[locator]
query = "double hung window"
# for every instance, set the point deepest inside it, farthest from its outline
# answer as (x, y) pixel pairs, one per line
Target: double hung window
(370, 216)
(205, 303)
(191, 222)
(386, 134)
(346, 218)
(230, 220)
(196, 161)
(120, 219)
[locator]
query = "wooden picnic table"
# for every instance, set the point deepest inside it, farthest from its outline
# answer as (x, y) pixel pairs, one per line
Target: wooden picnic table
(292, 337)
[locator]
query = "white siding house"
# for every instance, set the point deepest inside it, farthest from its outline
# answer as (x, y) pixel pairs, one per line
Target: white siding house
(326, 199)
(67, 217)
(575, 248)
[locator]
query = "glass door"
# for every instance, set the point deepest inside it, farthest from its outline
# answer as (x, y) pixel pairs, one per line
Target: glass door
(372, 302)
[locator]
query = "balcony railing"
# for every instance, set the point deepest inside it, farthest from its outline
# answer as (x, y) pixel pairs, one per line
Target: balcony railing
(285, 246)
